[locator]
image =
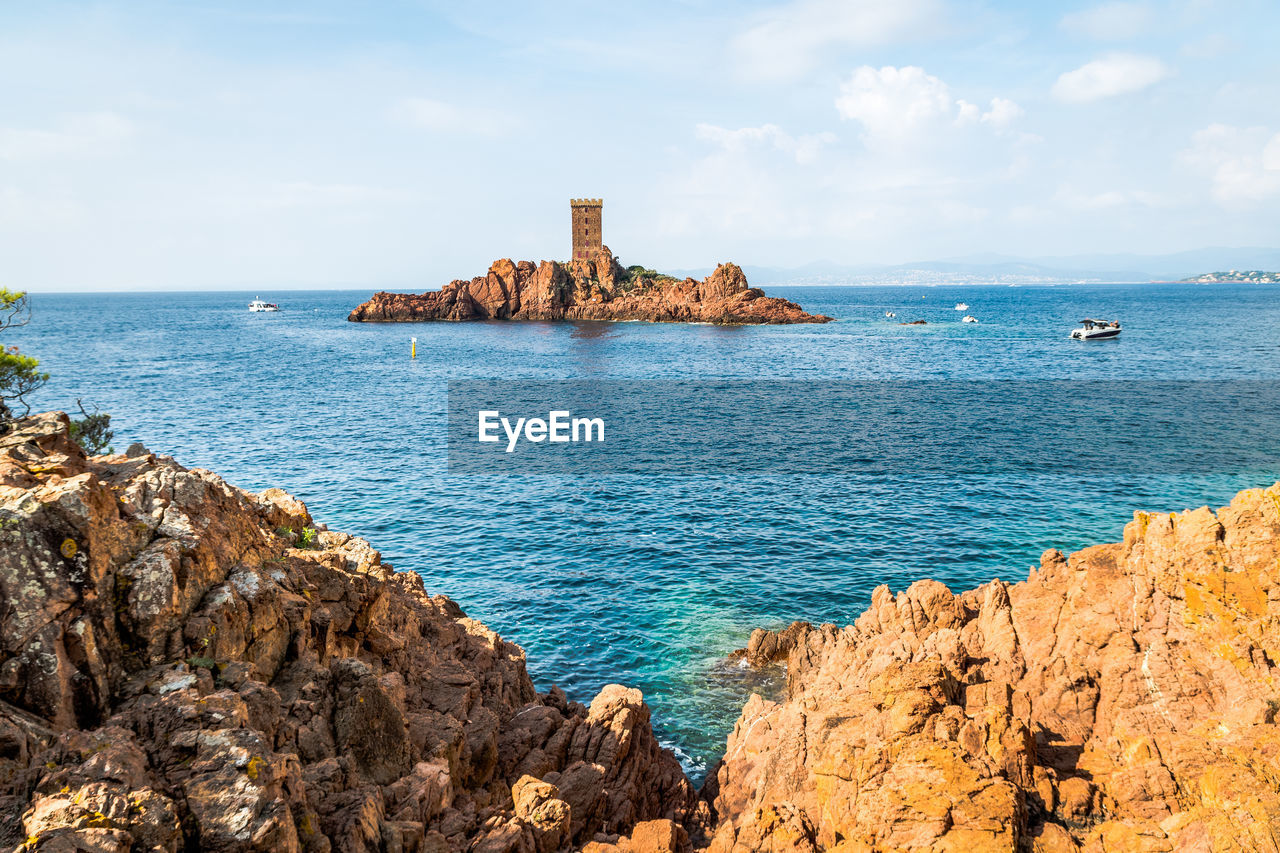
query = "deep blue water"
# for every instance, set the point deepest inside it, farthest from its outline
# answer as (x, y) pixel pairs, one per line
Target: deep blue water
(644, 581)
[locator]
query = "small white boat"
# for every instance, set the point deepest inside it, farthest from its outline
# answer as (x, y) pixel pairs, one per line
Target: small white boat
(1094, 330)
(969, 318)
(890, 314)
(962, 306)
(258, 305)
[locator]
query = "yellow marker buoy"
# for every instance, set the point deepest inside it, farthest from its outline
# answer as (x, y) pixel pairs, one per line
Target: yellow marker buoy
(413, 347)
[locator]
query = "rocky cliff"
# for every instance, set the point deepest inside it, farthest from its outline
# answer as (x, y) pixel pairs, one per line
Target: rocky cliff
(595, 289)
(184, 665)
(1120, 699)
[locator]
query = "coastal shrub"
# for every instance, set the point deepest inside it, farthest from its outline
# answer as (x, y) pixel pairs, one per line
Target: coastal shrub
(20, 374)
(636, 273)
(307, 539)
(92, 431)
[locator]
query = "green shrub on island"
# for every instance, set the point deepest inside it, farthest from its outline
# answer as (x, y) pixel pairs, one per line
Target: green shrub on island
(636, 272)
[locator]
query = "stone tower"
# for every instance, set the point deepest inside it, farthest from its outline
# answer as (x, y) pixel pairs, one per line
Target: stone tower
(587, 238)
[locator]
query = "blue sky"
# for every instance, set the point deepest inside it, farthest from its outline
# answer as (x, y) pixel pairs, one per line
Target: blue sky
(402, 144)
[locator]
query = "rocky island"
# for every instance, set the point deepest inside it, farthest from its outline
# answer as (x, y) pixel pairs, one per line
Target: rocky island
(188, 666)
(597, 288)
(591, 286)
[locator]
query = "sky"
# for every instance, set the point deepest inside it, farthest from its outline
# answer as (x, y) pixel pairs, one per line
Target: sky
(223, 145)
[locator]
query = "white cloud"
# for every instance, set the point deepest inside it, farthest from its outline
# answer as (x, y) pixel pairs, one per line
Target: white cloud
(895, 104)
(931, 163)
(75, 135)
(445, 117)
(803, 148)
(1003, 113)
(1110, 21)
(789, 41)
(1115, 74)
(1243, 164)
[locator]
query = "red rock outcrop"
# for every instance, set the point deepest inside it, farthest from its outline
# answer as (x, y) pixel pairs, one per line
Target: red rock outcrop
(187, 666)
(1120, 699)
(594, 289)
(184, 665)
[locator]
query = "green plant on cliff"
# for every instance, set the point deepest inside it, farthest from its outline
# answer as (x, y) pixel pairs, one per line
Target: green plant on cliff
(93, 431)
(19, 374)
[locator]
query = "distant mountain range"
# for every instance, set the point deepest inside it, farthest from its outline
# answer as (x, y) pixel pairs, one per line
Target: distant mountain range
(1005, 268)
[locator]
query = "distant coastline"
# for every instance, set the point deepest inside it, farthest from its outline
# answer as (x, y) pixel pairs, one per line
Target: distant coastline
(1235, 277)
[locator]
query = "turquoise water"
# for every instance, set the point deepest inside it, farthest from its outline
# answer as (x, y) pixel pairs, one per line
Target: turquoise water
(644, 581)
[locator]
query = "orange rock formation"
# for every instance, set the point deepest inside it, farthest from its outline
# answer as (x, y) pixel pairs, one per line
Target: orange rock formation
(184, 665)
(1123, 698)
(592, 288)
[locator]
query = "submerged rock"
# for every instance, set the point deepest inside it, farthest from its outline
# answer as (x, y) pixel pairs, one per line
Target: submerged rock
(588, 289)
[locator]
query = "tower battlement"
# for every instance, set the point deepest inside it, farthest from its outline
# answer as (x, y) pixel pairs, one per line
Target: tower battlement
(588, 236)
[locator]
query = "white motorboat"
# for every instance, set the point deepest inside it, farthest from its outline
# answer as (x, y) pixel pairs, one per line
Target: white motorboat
(258, 305)
(969, 318)
(1094, 330)
(890, 314)
(962, 306)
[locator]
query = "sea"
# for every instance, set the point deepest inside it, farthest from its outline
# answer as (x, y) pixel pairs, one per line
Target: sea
(651, 581)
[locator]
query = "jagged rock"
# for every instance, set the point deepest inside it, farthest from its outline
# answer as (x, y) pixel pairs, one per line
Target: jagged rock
(594, 288)
(1120, 699)
(767, 647)
(177, 673)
